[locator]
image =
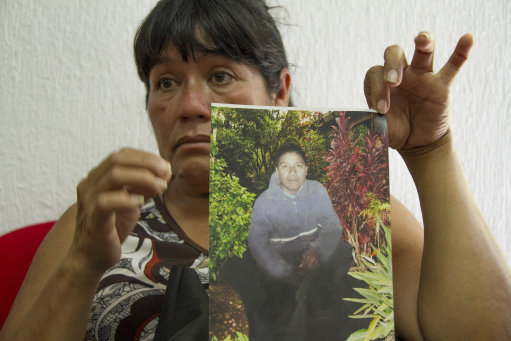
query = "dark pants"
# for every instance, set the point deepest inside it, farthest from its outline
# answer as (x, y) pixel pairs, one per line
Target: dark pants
(310, 309)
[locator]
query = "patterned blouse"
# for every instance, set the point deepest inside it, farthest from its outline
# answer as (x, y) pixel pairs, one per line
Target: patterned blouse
(128, 301)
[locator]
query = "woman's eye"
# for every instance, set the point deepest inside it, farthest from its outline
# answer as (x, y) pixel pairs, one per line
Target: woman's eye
(165, 84)
(221, 78)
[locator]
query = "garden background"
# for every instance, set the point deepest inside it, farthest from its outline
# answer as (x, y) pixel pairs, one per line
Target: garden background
(347, 152)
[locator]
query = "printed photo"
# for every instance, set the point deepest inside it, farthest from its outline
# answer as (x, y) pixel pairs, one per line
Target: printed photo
(299, 220)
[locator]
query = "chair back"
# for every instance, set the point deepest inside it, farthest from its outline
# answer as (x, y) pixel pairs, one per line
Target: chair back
(17, 248)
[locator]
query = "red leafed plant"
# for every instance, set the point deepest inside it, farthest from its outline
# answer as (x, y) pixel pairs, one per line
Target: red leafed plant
(371, 171)
(358, 184)
(342, 184)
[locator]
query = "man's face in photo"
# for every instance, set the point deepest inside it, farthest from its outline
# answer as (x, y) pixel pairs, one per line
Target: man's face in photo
(292, 172)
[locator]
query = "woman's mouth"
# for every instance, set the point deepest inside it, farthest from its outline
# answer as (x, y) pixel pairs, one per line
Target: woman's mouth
(196, 141)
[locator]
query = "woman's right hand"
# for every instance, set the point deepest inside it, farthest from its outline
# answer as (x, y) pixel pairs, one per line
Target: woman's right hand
(414, 98)
(109, 202)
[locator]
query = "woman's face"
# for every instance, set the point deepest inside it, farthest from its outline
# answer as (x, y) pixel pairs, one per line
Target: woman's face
(179, 102)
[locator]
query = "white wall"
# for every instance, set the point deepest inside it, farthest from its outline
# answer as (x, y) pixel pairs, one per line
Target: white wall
(69, 94)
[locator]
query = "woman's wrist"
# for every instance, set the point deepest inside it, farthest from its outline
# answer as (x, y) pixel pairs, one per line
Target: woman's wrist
(77, 267)
(429, 164)
(437, 173)
(426, 151)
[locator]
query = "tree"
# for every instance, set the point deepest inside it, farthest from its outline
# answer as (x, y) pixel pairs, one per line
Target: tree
(248, 139)
(230, 211)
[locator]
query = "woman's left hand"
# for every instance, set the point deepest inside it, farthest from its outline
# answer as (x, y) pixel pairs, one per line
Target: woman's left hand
(414, 98)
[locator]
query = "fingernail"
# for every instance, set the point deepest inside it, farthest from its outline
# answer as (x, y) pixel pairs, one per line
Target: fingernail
(165, 166)
(382, 106)
(391, 76)
(169, 172)
(137, 199)
(161, 183)
(427, 35)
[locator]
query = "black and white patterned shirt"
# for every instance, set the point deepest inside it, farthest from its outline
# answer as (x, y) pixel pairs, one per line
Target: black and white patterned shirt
(128, 301)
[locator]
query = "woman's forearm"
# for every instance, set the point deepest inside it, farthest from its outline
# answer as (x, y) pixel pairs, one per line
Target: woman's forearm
(62, 309)
(465, 283)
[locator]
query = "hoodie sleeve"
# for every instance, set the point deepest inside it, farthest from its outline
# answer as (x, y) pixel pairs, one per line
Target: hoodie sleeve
(266, 256)
(330, 232)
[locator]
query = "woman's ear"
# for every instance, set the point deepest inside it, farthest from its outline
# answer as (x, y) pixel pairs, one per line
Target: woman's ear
(282, 96)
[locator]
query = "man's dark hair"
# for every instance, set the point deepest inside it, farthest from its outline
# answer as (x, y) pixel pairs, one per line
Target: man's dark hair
(241, 30)
(289, 148)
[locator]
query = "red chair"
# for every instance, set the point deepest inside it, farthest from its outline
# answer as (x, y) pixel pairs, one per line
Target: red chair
(17, 248)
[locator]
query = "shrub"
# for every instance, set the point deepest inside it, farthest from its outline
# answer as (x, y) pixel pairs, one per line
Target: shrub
(230, 209)
(239, 337)
(377, 299)
(358, 182)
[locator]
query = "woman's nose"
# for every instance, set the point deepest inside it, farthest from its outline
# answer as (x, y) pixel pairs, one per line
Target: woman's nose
(196, 102)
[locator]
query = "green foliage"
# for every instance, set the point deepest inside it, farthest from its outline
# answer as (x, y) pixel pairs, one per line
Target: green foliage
(230, 209)
(373, 217)
(248, 140)
(315, 145)
(377, 299)
(239, 337)
(359, 135)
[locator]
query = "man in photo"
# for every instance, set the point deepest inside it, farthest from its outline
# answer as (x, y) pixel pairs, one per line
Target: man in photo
(295, 239)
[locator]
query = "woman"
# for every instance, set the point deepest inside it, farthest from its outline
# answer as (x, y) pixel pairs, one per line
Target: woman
(187, 65)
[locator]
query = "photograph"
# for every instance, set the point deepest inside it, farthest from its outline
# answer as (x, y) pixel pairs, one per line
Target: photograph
(300, 235)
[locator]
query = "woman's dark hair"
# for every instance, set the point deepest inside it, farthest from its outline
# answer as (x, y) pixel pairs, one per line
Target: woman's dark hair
(289, 148)
(241, 30)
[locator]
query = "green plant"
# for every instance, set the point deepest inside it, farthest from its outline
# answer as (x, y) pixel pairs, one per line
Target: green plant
(358, 181)
(249, 138)
(315, 147)
(230, 209)
(372, 217)
(239, 337)
(377, 299)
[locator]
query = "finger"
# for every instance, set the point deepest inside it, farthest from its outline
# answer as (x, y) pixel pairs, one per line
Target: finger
(376, 90)
(121, 178)
(110, 202)
(395, 63)
(316, 261)
(118, 200)
(124, 221)
(312, 265)
(305, 262)
(424, 52)
(137, 158)
(310, 262)
(110, 173)
(315, 266)
(457, 59)
(134, 180)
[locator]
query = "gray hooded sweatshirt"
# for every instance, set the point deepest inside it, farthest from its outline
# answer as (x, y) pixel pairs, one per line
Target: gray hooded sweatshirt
(284, 227)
